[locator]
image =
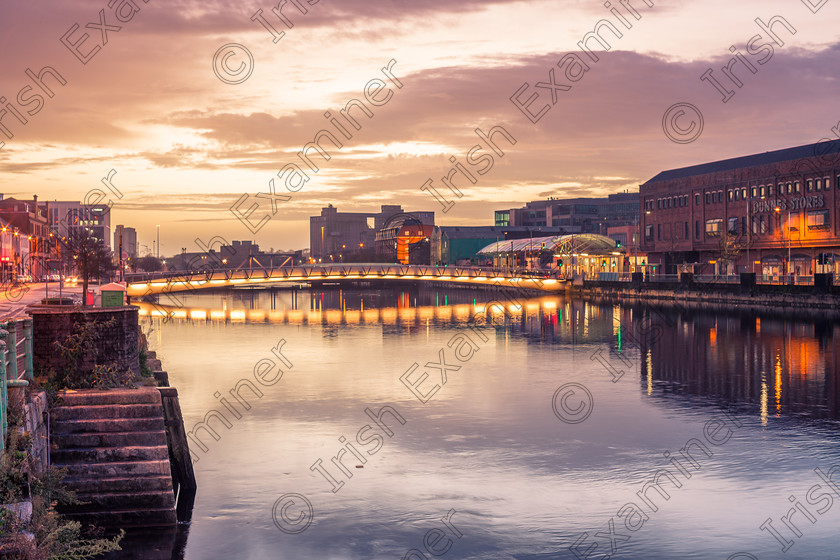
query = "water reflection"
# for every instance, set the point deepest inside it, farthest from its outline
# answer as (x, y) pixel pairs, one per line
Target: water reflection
(775, 367)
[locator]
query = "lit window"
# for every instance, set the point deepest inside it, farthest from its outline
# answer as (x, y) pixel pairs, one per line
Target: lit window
(818, 184)
(817, 219)
(713, 227)
(809, 184)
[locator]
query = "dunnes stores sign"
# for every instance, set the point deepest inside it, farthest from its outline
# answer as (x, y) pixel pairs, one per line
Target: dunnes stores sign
(786, 204)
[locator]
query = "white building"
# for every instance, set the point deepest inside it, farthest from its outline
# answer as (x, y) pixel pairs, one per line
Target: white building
(64, 216)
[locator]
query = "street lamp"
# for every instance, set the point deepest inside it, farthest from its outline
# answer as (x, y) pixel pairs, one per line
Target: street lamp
(778, 213)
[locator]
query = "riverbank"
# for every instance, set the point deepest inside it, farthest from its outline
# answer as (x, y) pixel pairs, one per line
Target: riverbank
(784, 299)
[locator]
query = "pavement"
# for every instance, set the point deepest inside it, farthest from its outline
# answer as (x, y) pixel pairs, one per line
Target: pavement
(14, 299)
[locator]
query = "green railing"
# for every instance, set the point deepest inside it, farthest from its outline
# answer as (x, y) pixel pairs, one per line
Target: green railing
(13, 347)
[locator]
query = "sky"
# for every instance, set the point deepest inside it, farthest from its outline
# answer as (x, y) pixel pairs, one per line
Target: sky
(149, 101)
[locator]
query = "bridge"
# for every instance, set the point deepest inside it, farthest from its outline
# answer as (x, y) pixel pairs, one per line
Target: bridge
(160, 283)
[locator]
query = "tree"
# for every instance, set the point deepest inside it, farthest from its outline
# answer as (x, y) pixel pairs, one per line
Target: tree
(146, 264)
(731, 244)
(88, 255)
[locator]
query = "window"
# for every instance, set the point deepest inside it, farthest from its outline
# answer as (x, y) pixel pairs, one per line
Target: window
(753, 192)
(697, 199)
(731, 195)
(744, 193)
(818, 185)
(827, 183)
(648, 233)
(659, 203)
(789, 188)
(817, 220)
(685, 198)
(732, 225)
(697, 229)
(659, 232)
(769, 190)
(763, 224)
(796, 186)
(809, 184)
(686, 230)
(755, 225)
(762, 191)
(708, 198)
(713, 227)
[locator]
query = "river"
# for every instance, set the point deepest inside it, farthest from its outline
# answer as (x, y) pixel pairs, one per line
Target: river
(554, 423)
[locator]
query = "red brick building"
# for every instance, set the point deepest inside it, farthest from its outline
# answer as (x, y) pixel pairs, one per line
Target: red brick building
(772, 213)
(27, 219)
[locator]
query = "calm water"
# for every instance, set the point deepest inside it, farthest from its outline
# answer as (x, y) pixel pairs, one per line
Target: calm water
(753, 400)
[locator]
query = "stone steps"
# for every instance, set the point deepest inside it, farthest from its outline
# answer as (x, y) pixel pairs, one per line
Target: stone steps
(86, 426)
(107, 411)
(108, 439)
(127, 501)
(111, 396)
(109, 454)
(134, 483)
(114, 448)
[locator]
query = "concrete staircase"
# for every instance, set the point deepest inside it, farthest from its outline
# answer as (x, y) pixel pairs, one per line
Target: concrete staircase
(113, 445)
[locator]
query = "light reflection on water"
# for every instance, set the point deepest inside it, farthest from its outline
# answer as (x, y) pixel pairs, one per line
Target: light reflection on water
(487, 444)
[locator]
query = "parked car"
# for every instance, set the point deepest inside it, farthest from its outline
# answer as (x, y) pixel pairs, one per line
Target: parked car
(25, 278)
(54, 278)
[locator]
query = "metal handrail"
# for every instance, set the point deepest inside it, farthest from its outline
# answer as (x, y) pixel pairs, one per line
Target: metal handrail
(10, 376)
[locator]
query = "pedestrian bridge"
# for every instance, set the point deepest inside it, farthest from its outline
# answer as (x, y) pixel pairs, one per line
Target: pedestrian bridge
(159, 283)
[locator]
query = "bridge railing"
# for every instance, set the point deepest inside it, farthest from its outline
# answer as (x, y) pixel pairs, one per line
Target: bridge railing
(338, 270)
(16, 368)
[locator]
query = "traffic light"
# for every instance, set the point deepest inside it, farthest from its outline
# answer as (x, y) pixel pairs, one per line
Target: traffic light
(559, 262)
(618, 244)
(604, 262)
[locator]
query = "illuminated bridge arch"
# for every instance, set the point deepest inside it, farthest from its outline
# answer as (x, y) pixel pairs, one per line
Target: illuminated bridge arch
(319, 274)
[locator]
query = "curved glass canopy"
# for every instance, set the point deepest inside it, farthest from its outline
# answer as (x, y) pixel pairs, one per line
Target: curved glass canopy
(572, 244)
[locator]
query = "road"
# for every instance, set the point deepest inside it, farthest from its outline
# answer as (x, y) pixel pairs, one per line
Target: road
(15, 299)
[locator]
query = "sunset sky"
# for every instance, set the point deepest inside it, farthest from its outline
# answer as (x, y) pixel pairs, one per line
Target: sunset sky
(186, 146)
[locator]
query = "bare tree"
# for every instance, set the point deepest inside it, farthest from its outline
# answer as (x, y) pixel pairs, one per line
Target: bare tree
(88, 254)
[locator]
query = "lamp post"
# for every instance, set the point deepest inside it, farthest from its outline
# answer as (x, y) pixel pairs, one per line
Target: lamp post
(779, 214)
